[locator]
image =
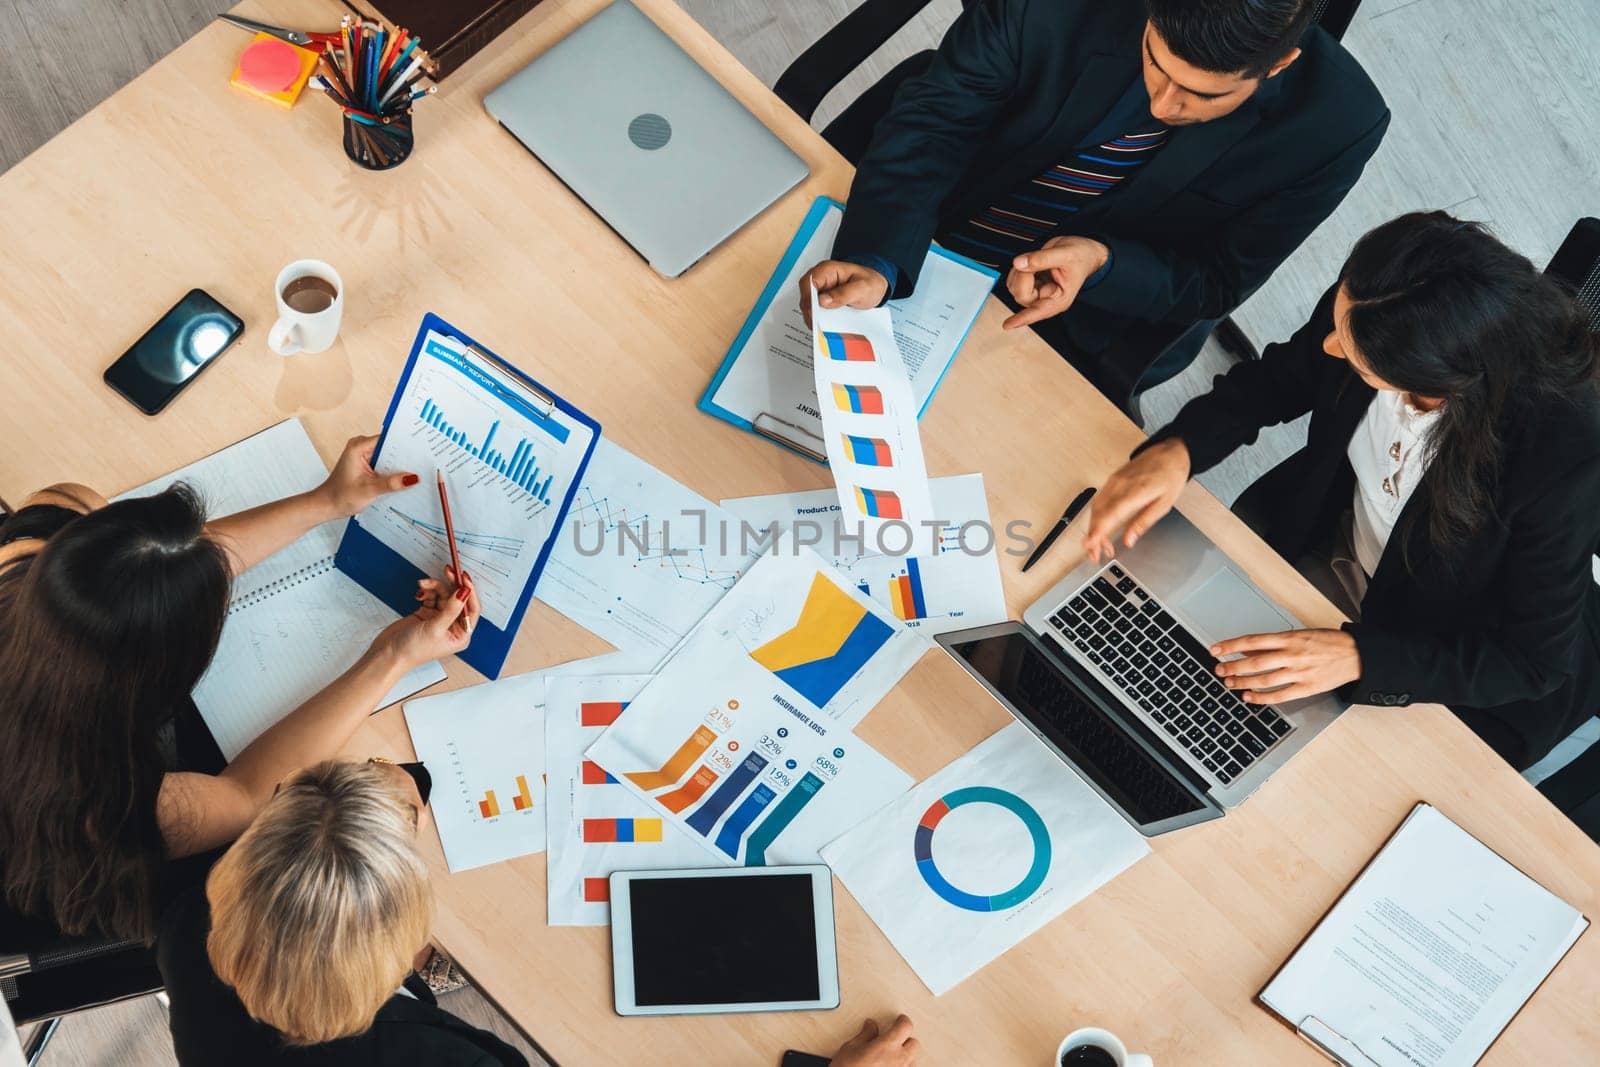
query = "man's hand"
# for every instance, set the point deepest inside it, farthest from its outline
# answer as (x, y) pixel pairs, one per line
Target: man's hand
(1136, 495)
(895, 1047)
(1303, 662)
(1046, 282)
(841, 284)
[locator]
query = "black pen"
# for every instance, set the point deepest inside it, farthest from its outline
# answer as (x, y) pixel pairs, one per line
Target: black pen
(1079, 502)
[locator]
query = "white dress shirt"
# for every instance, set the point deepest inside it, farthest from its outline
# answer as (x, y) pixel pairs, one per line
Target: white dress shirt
(1389, 453)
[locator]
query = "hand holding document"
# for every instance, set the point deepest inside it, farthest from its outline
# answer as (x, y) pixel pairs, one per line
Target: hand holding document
(765, 383)
(869, 422)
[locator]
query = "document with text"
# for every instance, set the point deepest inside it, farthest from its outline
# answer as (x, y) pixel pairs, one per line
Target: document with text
(1427, 956)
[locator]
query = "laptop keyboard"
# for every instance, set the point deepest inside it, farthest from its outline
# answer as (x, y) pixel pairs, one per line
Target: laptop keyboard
(1081, 731)
(1159, 665)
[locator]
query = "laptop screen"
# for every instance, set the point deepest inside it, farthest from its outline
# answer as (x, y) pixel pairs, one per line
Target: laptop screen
(1062, 709)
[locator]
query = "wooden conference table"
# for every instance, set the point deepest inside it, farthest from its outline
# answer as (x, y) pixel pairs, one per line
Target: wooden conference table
(180, 181)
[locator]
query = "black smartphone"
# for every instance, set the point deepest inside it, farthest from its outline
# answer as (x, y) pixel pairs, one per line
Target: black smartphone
(184, 342)
(804, 1059)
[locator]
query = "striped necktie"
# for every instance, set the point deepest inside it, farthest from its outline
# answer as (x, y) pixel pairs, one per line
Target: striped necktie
(1028, 216)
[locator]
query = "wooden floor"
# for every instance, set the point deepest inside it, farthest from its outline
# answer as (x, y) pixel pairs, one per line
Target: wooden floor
(1494, 119)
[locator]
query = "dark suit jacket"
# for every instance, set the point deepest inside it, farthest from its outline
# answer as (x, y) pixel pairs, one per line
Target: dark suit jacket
(1017, 84)
(1505, 629)
(210, 1025)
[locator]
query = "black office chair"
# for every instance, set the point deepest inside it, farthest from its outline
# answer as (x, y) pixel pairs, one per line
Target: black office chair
(1575, 789)
(842, 49)
(69, 976)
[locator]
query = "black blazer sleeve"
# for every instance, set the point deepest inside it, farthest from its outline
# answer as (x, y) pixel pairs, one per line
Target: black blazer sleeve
(1279, 387)
(922, 147)
(1545, 577)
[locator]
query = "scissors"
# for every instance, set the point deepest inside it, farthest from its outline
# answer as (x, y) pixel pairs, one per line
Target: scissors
(316, 42)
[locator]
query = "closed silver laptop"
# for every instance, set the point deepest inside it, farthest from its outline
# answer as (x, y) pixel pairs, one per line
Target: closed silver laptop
(646, 137)
(1111, 669)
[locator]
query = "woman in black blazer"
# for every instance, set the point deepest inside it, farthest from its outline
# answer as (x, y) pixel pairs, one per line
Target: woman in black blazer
(1447, 498)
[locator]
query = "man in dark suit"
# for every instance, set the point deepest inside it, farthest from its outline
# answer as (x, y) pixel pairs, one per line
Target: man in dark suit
(1134, 169)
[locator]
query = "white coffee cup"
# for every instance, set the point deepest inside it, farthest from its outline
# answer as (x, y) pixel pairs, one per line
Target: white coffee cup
(307, 330)
(1102, 1039)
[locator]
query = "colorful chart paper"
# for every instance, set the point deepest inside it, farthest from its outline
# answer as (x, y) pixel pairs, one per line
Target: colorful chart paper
(981, 855)
(870, 429)
(719, 746)
(485, 747)
(596, 824)
(828, 644)
(951, 579)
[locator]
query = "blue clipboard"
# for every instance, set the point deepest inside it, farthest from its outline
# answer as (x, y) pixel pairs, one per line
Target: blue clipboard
(392, 578)
(818, 211)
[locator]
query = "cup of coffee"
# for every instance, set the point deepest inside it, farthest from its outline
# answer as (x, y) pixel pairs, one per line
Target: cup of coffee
(310, 304)
(1094, 1047)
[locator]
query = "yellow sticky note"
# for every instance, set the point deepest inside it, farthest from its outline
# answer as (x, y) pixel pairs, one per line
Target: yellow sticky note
(274, 69)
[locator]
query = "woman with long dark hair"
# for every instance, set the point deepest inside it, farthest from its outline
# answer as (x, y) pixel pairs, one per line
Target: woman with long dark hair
(1447, 498)
(109, 615)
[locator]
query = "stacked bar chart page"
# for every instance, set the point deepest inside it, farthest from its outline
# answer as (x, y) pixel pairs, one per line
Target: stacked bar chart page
(506, 462)
(596, 824)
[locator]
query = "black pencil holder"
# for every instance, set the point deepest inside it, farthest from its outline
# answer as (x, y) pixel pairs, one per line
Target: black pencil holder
(379, 146)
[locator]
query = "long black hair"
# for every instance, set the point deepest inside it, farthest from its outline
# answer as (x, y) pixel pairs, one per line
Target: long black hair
(1440, 308)
(102, 635)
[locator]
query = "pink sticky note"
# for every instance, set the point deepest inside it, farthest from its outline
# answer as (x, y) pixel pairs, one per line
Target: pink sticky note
(269, 66)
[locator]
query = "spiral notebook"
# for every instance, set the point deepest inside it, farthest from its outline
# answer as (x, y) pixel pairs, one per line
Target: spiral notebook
(296, 622)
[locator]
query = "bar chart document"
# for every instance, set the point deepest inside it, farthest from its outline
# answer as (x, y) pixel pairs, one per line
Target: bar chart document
(1427, 956)
(596, 825)
(484, 746)
(981, 855)
(641, 558)
(718, 746)
(511, 455)
(949, 580)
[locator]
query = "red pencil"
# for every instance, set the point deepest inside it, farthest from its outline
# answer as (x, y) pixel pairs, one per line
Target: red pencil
(449, 528)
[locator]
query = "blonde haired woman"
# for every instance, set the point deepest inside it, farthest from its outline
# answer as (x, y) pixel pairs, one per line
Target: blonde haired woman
(300, 949)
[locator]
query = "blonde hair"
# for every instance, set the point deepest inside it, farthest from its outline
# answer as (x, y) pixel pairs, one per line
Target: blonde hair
(319, 908)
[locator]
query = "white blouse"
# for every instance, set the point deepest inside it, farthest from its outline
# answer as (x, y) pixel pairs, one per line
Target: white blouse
(1389, 454)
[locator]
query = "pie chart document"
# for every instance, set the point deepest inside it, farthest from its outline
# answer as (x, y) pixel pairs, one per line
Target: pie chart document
(982, 854)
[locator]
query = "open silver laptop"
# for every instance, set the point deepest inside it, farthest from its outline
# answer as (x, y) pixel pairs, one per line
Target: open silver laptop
(646, 137)
(1110, 669)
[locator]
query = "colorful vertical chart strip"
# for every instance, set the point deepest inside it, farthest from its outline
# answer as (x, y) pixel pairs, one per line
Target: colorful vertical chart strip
(594, 774)
(905, 593)
(690, 791)
(621, 831)
(599, 713)
(858, 399)
(868, 451)
(489, 807)
(706, 817)
(524, 798)
(673, 769)
(879, 503)
(831, 641)
(848, 347)
(731, 836)
(791, 805)
(597, 890)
